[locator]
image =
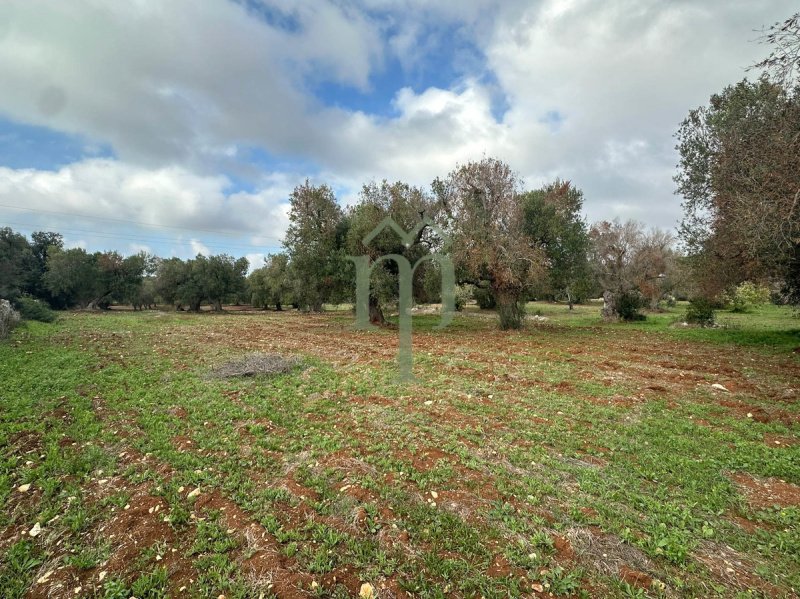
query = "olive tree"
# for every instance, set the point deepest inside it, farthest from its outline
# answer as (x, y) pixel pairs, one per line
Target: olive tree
(486, 217)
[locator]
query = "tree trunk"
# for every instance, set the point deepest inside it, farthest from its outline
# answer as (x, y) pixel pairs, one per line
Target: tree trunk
(510, 308)
(375, 312)
(217, 306)
(609, 311)
(278, 307)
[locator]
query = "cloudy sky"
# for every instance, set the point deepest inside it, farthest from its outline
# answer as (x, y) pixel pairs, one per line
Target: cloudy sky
(181, 126)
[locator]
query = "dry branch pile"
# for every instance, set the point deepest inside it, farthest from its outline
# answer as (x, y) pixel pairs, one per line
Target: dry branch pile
(256, 364)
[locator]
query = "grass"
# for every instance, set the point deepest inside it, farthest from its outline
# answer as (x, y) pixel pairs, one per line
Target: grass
(555, 459)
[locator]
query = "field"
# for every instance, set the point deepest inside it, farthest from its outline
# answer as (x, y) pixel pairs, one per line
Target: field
(572, 458)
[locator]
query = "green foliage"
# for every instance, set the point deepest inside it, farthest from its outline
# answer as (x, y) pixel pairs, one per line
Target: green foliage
(553, 221)
(628, 305)
(463, 295)
(484, 211)
(17, 264)
(739, 173)
(171, 274)
(747, 296)
(214, 279)
(314, 243)
(484, 297)
(701, 312)
(406, 205)
(94, 280)
(33, 309)
(18, 565)
(271, 285)
(152, 585)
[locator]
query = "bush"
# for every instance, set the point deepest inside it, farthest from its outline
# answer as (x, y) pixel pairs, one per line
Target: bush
(9, 318)
(629, 304)
(701, 312)
(485, 298)
(463, 293)
(33, 309)
(748, 296)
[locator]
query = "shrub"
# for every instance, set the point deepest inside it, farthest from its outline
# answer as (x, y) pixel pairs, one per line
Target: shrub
(9, 318)
(628, 305)
(747, 296)
(701, 312)
(33, 309)
(485, 298)
(462, 295)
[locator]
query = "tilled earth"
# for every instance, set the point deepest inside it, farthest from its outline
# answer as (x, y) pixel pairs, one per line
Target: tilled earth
(556, 461)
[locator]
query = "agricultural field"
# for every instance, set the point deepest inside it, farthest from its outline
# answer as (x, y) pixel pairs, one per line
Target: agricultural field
(572, 458)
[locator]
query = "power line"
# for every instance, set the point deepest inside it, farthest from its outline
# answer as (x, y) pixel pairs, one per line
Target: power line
(124, 220)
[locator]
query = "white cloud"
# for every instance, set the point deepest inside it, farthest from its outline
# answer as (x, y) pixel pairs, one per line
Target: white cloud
(117, 201)
(256, 260)
(135, 248)
(179, 89)
(71, 244)
(199, 248)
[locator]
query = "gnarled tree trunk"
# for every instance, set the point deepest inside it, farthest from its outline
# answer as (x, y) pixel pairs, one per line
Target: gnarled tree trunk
(510, 308)
(375, 312)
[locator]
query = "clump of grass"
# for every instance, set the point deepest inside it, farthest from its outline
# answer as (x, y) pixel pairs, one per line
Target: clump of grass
(257, 364)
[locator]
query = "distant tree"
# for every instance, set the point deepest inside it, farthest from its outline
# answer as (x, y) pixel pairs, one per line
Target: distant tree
(222, 276)
(485, 213)
(315, 245)
(170, 274)
(271, 285)
(120, 279)
(612, 254)
(192, 288)
(18, 269)
(739, 175)
(634, 267)
(554, 223)
(73, 274)
(655, 265)
(42, 243)
(146, 298)
(407, 206)
(259, 288)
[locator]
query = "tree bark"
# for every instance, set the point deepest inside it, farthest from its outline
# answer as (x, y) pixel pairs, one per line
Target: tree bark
(375, 312)
(609, 311)
(510, 308)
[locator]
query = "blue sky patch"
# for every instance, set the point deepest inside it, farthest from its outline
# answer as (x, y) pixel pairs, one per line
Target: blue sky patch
(42, 148)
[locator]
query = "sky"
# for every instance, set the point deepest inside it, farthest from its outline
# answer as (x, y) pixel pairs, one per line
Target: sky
(181, 127)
